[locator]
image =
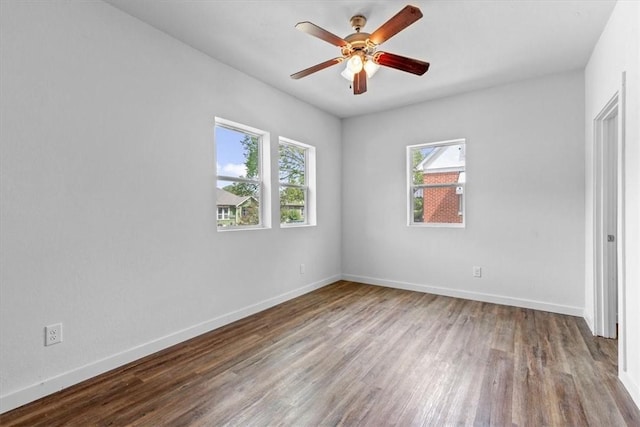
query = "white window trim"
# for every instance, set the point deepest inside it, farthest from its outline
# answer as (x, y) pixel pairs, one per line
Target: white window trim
(264, 160)
(410, 186)
(310, 187)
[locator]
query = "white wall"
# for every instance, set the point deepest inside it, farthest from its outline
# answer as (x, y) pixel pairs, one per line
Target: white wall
(525, 196)
(618, 50)
(108, 204)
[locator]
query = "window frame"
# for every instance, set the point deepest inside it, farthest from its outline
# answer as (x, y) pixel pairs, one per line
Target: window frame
(412, 187)
(264, 173)
(308, 187)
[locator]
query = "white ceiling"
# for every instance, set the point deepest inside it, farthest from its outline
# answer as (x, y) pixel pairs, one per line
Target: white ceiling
(470, 44)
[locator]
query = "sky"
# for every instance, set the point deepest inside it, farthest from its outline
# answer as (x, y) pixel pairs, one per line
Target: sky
(229, 153)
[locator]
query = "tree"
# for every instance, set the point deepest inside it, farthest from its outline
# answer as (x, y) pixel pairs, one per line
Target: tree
(249, 213)
(251, 159)
(251, 155)
(290, 215)
(291, 162)
(291, 166)
(418, 178)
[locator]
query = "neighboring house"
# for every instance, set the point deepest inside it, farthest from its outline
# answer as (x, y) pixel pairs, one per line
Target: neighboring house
(444, 165)
(234, 209)
(292, 211)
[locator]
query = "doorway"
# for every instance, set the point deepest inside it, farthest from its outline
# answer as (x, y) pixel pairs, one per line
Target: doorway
(608, 199)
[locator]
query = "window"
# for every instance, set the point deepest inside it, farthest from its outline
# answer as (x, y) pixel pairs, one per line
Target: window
(436, 180)
(242, 184)
(223, 212)
(296, 171)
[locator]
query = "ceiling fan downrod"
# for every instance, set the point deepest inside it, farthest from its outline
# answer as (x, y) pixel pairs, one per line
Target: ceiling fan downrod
(358, 22)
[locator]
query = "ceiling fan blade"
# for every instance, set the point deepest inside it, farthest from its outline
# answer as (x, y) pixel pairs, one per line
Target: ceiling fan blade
(317, 67)
(401, 63)
(321, 33)
(360, 82)
(397, 23)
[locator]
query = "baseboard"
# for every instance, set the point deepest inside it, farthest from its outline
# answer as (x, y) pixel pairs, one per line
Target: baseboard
(631, 386)
(476, 296)
(53, 384)
(589, 321)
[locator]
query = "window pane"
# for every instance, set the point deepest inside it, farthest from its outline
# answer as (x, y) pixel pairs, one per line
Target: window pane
(294, 163)
(292, 205)
(418, 205)
(441, 205)
(418, 156)
(438, 164)
(237, 153)
(238, 203)
(223, 212)
(291, 164)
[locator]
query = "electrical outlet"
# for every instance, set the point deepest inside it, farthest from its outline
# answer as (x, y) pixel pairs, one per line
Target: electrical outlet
(53, 334)
(302, 269)
(477, 271)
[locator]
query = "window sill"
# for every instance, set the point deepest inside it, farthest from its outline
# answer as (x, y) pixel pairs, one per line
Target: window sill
(436, 225)
(301, 225)
(230, 228)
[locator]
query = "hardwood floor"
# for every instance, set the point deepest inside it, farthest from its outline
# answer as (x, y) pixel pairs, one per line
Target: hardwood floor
(353, 354)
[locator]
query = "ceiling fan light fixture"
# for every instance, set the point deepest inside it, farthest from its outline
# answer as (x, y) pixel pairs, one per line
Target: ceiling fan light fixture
(354, 64)
(347, 74)
(371, 68)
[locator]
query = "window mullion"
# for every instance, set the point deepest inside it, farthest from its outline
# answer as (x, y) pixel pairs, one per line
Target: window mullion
(238, 179)
(452, 184)
(301, 187)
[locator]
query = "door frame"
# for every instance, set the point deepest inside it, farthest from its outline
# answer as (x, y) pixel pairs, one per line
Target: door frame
(609, 301)
(607, 152)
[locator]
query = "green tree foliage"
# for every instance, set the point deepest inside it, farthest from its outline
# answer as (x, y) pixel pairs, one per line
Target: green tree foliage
(249, 214)
(251, 159)
(290, 215)
(251, 155)
(418, 178)
(291, 164)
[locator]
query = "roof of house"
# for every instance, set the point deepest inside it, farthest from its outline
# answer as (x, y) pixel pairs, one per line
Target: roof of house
(225, 198)
(443, 159)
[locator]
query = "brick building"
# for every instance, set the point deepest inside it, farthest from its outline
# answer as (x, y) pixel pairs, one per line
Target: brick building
(444, 170)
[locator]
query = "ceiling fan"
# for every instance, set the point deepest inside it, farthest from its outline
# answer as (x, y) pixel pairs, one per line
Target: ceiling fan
(359, 49)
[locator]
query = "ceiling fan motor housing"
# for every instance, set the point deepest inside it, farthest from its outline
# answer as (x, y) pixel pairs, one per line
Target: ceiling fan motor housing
(358, 22)
(358, 42)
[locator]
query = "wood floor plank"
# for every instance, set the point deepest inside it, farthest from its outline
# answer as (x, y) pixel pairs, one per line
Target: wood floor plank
(569, 411)
(496, 396)
(354, 354)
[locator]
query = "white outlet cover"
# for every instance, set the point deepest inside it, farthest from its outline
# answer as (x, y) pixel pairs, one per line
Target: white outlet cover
(53, 334)
(477, 271)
